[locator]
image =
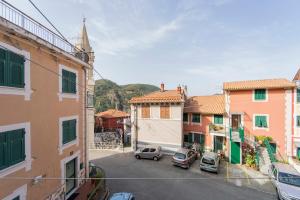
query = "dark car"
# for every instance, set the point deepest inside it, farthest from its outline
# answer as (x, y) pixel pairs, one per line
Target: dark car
(184, 158)
(149, 153)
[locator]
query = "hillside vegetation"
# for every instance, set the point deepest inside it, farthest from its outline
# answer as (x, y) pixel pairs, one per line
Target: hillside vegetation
(108, 94)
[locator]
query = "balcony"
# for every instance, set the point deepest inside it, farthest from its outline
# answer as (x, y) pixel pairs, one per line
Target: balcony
(217, 128)
(18, 18)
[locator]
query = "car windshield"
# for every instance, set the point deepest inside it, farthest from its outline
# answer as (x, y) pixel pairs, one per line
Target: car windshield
(180, 155)
(209, 161)
(290, 179)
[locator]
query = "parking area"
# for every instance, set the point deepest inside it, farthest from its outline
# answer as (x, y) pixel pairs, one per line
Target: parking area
(149, 179)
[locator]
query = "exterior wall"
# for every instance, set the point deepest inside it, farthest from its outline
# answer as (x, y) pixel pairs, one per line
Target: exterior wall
(202, 128)
(109, 123)
(296, 136)
(42, 110)
(164, 132)
(274, 107)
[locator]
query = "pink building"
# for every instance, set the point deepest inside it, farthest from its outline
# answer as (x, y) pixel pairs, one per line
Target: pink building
(260, 108)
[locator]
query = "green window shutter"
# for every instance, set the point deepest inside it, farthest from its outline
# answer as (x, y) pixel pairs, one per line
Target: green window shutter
(16, 66)
(2, 66)
(3, 150)
(190, 139)
(257, 121)
(186, 138)
(298, 120)
(68, 82)
(218, 119)
(65, 77)
(65, 126)
(72, 129)
(16, 140)
(69, 131)
(185, 117)
(298, 95)
(196, 118)
(260, 94)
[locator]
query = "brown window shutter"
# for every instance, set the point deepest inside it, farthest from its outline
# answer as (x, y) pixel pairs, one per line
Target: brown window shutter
(165, 112)
(145, 111)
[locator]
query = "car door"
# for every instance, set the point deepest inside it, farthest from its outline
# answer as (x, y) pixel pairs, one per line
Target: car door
(145, 153)
(152, 153)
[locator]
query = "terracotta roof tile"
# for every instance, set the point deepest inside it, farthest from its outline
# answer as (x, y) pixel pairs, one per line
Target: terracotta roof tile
(158, 97)
(213, 104)
(258, 84)
(112, 113)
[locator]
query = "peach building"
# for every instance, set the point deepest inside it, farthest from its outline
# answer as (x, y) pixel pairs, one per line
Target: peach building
(204, 122)
(260, 107)
(43, 116)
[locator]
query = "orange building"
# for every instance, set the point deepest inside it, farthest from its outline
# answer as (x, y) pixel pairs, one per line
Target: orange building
(259, 108)
(111, 119)
(42, 120)
(204, 122)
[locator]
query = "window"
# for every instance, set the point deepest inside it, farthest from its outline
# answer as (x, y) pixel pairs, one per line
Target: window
(185, 117)
(165, 112)
(68, 82)
(218, 119)
(145, 111)
(298, 121)
(298, 95)
(260, 94)
(12, 148)
(196, 118)
(69, 131)
(11, 69)
(261, 121)
(19, 194)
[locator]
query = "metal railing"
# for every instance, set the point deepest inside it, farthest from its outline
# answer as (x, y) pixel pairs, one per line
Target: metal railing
(17, 17)
(270, 150)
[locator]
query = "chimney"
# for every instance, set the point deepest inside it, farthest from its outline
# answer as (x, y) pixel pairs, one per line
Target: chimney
(179, 89)
(162, 87)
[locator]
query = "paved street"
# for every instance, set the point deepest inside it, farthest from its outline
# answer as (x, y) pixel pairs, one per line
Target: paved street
(208, 186)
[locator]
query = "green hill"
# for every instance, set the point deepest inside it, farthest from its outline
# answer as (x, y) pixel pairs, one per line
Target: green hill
(108, 94)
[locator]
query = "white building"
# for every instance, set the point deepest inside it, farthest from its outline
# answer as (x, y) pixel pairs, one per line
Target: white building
(156, 119)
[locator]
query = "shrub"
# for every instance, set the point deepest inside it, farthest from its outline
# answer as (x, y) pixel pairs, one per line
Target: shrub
(250, 160)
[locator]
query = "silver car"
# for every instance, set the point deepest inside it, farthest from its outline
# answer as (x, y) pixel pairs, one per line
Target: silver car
(149, 153)
(286, 181)
(184, 158)
(210, 161)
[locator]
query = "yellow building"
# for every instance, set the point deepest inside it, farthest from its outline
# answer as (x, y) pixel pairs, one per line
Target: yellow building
(43, 115)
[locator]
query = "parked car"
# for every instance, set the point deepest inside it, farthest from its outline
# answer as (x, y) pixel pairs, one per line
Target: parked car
(286, 181)
(122, 196)
(210, 161)
(149, 153)
(184, 158)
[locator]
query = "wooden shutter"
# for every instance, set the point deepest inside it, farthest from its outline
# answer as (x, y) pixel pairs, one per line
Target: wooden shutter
(72, 82)
(298, 95)
(218, 119)
(65, 76)
(260, 94)
(16, 65)
(145, 111)
(72, 124)
(69, 131)
(165, 111)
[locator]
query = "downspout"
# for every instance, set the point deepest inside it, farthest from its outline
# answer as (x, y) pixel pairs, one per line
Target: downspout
(85, 127)
(293, 122)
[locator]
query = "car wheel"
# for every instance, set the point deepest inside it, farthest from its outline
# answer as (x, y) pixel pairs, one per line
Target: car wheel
(155, 158)
(138, 157)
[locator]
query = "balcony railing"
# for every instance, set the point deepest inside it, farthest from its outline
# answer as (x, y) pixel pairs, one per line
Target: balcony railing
(17, 17)
(216, 128)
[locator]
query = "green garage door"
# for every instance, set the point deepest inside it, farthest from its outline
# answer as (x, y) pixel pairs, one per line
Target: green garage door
(235, 152)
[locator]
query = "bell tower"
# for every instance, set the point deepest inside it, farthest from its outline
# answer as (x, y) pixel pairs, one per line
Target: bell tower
(83, 44)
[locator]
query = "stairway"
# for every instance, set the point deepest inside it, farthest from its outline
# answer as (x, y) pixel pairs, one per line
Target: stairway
(264, 160)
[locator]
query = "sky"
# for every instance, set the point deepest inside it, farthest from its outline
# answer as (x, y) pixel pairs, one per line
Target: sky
(198, 43)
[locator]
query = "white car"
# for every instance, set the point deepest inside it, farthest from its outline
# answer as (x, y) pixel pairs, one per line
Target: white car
(286, 181)
(210, 161)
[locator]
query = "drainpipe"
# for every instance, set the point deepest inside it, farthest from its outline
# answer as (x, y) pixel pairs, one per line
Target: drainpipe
(85, 127)
(293, 118)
